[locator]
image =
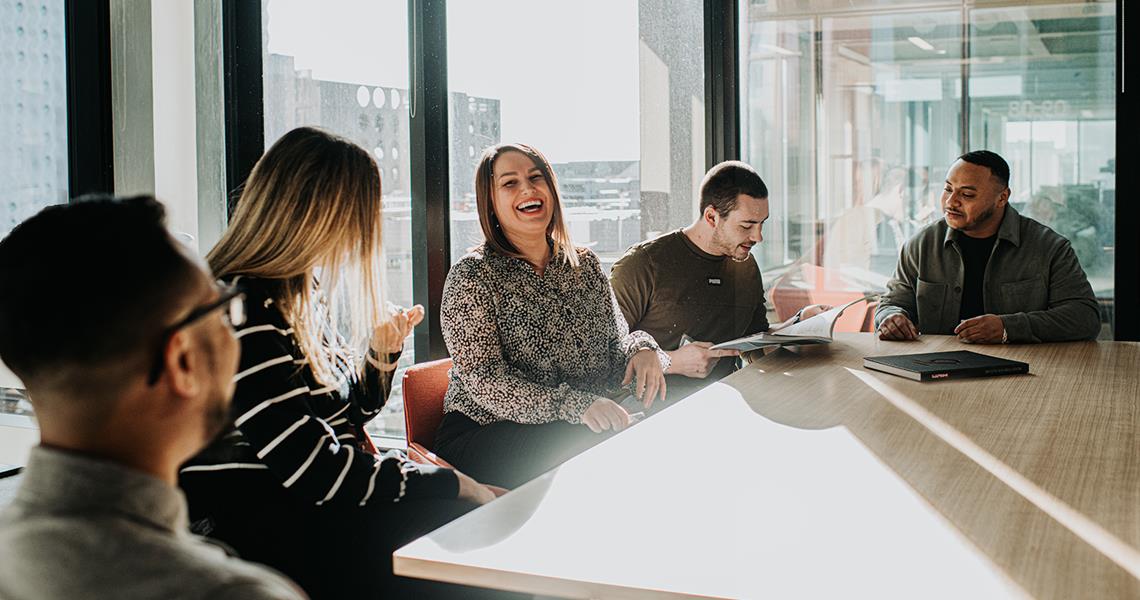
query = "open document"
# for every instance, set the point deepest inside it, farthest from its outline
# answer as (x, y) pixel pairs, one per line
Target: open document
(819, 329)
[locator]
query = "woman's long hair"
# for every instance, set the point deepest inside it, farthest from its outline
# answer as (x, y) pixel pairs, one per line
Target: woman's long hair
(485, 203)
(311, 210)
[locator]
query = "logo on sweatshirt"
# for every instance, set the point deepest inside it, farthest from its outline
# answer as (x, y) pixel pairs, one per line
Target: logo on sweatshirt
(714, 280)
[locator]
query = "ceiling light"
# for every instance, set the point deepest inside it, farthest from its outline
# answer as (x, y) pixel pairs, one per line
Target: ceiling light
(921, 43)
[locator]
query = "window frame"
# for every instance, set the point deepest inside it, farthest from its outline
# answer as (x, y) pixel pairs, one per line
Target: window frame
(430, 169)
(1127, 284)
(722, 81)
(90, 158)
(243, 95)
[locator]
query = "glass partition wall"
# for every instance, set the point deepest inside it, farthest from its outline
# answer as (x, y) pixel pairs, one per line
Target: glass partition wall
(853, 111)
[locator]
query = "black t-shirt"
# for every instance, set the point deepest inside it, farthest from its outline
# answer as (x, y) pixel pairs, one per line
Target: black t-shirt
(975, 257)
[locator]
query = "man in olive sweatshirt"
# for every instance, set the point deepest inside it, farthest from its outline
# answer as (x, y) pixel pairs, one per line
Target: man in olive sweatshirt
(986, 273)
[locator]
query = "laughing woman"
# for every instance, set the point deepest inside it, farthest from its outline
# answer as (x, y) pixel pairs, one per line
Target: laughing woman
(293, 483)
(538, 343)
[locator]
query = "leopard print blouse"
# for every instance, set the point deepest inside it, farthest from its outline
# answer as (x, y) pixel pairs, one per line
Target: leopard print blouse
(529, 348)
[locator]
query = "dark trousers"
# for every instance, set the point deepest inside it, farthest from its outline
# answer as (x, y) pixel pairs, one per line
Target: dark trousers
(331, 552)
(509, 454)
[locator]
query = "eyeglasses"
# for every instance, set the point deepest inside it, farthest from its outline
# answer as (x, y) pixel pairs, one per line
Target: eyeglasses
(231, 298)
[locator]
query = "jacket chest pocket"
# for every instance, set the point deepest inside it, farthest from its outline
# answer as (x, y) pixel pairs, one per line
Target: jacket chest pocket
(931, 299)
(1022, 296)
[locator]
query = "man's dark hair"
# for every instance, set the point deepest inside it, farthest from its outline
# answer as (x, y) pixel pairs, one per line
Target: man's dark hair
(724, 182)
(88, 284)
(992, 161)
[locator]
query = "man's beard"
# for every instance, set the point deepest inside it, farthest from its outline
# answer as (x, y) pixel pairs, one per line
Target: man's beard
(982, 218)
(725, 247)
(216, 416)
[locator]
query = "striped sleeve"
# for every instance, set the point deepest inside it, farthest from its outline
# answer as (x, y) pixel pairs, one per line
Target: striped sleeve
(369, 393)
(272, 409)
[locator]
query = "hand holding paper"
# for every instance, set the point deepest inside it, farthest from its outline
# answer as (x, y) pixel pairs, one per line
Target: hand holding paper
(815, 330)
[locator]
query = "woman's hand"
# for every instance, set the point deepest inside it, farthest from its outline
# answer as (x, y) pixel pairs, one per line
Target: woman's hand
(473, 491)
(605, 414)
(389, 336)
(645, 367)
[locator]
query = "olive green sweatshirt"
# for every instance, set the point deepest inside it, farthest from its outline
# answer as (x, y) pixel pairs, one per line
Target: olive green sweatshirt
(1032, 281)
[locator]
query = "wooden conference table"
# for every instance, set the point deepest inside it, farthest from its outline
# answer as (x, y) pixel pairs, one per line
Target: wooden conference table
(806, 475)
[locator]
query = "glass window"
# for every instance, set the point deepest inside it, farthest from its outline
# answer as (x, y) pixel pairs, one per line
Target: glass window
(611, 92)
(853, 111)
(353, 88)
(33, 109)
(1043, 90)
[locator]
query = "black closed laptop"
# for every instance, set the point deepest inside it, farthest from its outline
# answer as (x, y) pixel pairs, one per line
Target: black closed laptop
(934, 366)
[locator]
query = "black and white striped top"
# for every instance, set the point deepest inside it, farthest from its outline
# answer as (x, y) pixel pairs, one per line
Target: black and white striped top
(307, 437)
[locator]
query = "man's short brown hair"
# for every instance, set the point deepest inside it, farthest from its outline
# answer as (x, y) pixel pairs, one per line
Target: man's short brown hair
(726, 181)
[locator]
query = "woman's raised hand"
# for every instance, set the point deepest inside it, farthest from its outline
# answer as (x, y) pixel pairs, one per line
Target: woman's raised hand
(389, 336)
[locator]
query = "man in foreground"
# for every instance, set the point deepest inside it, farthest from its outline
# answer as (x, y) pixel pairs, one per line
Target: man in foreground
(127, 350)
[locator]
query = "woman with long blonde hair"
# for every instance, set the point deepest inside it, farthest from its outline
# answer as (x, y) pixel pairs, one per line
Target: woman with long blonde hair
(294, 479)
(540, 348)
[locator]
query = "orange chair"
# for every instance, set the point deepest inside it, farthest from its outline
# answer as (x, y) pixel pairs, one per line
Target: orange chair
(424, 387)
(813, 284)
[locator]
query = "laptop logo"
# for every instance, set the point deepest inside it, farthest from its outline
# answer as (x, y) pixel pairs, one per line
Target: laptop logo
(714, 280)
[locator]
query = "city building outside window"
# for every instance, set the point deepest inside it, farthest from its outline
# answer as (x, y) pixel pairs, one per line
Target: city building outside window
(33, 109)
(356, 88)
(611, 92)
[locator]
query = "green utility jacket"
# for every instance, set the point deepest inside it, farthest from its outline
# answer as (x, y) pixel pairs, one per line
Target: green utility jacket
(1033, 282)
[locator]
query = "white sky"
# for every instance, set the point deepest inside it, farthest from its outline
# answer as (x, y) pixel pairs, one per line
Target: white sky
(565, 72)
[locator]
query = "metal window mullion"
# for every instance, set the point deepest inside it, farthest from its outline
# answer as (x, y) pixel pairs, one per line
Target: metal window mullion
(964, 118)
(431, 196)
(90, 158)
(244, 92)
(722, 79)
(1126, 324)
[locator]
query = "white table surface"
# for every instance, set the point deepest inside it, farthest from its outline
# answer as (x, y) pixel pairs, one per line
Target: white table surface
(801, 476)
